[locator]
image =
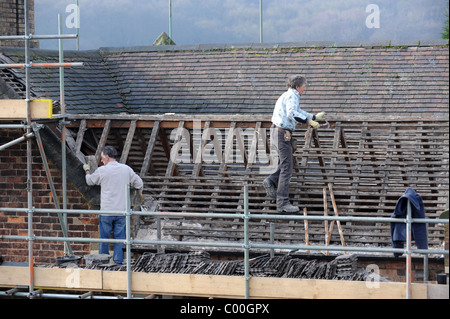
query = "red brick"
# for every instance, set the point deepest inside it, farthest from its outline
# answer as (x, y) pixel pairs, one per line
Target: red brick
(16, 219)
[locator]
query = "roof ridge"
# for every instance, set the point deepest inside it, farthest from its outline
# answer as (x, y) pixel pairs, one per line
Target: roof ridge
(94, 53)
(287, 45)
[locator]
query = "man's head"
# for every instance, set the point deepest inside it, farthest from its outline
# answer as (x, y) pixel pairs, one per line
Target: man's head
(297, 82)
(109, 154)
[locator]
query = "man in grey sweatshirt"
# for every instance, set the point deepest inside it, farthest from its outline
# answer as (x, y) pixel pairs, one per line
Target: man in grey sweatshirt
(113, 177)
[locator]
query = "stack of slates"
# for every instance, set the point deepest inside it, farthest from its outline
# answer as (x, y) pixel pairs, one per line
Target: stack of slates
(169, 263)
(343, 267)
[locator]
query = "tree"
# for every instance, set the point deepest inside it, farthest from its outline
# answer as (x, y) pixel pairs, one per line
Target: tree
(445, 33)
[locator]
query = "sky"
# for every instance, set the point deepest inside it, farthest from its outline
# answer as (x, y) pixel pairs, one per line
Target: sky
(127, 23)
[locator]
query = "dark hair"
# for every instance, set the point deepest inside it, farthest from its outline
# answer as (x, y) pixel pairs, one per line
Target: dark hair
(296, 80)
(110, 151)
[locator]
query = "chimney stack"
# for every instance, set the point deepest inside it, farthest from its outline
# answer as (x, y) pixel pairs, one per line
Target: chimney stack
(12, 19)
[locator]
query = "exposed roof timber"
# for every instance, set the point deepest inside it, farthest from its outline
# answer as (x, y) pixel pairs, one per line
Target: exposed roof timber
(370, 162)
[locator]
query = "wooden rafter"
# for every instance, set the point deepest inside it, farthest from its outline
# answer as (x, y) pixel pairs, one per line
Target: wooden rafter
(150, 148)
(370, 163)
(128, 142)
(102, 142)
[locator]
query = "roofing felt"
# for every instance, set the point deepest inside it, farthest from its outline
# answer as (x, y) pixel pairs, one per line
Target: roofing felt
(374, 79)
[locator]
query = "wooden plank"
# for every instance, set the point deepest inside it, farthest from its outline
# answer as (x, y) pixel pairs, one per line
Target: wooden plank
(206, 285)
(344, 149)
(177, 284)
(305, 213)
(171, 166)
(175, 149)
(103, 139)
(150, 148)
(198, 157)
(325, 213)
(330, 289)
(14, 276)
(58, 278)
(388, 162)
(305, 153)
(75, 278)
(254, 146)
(128, 142)
(240, 144)
(80, 136)
(315, 137)
(226, 156)
(17, 109)
(338, 222)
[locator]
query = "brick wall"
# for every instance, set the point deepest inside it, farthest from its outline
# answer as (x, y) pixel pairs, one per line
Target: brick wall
(13, 193)
(12, 21)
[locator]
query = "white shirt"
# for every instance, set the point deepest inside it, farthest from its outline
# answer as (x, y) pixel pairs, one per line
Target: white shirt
(287, 112)
(113, 179)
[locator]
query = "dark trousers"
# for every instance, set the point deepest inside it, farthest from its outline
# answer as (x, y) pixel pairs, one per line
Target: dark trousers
(281, 178)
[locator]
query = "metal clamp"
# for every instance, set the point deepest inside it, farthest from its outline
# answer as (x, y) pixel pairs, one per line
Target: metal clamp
(36, 126)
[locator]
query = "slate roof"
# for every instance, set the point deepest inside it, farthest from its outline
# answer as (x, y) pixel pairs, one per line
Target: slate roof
(401, 79)
(87, 89)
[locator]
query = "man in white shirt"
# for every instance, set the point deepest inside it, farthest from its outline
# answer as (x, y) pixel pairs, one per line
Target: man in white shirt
(113, 178)
(287, 113)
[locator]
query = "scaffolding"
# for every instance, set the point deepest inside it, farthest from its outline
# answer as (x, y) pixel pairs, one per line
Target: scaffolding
(32, 130)
(246, 246)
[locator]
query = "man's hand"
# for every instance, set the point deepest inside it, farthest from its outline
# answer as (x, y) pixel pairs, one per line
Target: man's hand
(314, 124)
(320, 116)
(86, 167)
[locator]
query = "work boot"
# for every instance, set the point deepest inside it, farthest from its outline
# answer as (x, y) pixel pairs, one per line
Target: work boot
(270, 189)
(288, 208)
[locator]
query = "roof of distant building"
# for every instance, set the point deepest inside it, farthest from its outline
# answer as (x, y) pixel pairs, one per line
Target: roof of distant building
(383, 78)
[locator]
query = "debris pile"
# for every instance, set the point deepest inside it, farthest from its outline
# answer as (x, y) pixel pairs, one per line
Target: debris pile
(343, 267)
(310, 269)
(170, 263)
(346, 266)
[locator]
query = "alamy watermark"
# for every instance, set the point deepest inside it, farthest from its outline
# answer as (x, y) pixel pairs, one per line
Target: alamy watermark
(373, 278)
(236, 145)
(73, 279)
(373, 19)
(73, 19)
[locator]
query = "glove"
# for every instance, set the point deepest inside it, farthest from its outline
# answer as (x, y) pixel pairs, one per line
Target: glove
(86, 167)
(320, 116)
(314, 124)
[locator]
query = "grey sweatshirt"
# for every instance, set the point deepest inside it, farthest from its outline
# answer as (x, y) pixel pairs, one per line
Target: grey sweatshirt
(113, 179)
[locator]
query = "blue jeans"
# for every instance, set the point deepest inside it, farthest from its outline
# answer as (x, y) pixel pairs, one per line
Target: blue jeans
(116, 225)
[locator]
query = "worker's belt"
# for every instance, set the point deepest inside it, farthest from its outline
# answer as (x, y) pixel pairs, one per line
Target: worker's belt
(287, 137)
(281, 129)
